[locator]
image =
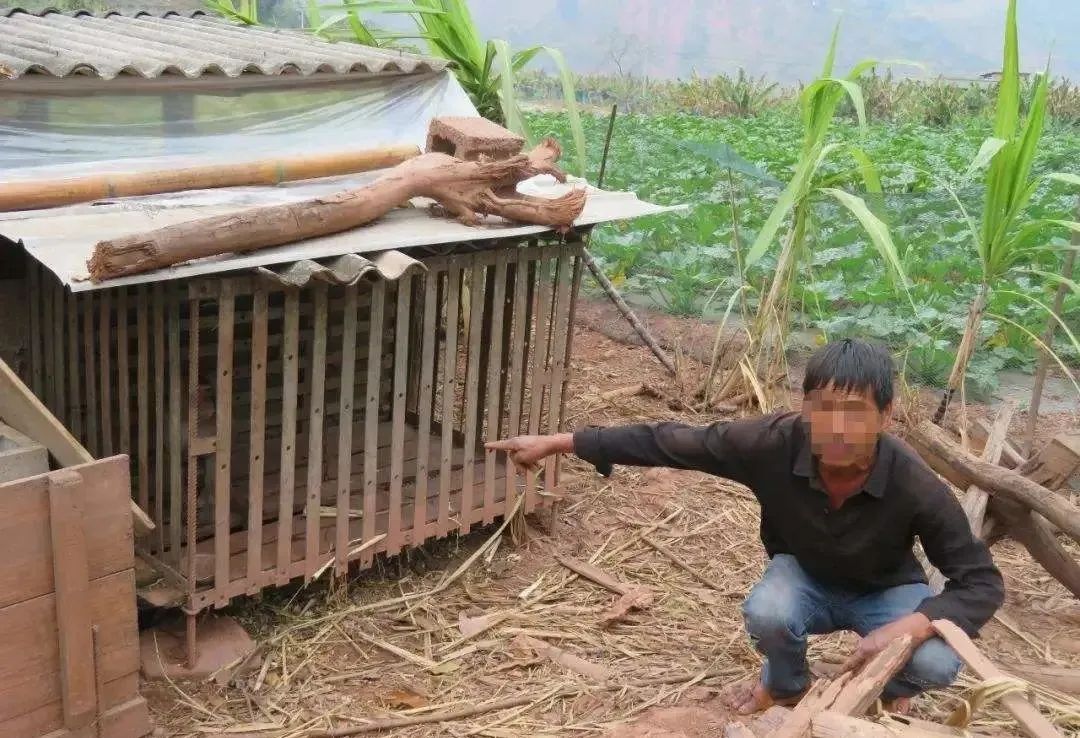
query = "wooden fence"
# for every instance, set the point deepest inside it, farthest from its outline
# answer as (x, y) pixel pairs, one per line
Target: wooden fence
(229, 394)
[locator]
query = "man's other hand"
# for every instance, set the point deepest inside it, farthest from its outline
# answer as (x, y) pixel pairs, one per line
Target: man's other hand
(915, 625)
(528, 451)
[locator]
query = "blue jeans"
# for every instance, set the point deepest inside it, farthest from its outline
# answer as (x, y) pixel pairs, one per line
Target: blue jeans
(788, 604)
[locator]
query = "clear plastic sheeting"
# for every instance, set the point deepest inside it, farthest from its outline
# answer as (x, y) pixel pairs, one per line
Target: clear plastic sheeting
(48, 137)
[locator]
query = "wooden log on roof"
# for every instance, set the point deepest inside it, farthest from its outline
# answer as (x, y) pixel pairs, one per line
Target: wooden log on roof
(51, 193)
(466, 190)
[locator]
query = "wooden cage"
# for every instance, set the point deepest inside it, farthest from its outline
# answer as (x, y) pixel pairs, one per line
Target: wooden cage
(280, 432)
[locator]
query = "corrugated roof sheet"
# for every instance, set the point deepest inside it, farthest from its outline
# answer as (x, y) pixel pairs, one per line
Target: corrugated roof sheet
(342, 270)
(62, 239)
(61, 44)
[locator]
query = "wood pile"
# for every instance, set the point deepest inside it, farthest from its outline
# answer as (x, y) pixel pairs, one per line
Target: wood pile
(1028, 503)
(838, 707)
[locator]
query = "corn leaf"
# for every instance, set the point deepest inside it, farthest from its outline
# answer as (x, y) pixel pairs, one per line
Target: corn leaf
(989, 149)
(577, 130)
(867, 170)
(1042, 345)
(878, 232)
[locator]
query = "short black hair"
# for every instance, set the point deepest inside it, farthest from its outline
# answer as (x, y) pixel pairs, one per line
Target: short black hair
(852, 365)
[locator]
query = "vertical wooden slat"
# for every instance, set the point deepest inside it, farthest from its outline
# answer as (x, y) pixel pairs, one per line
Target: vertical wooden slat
(176, 491)
(223, 455)
(75, 402)
(494, 380)
(575, 288)
(425, 398)
(60, 375)
(517, 345)
(559, 327)
(123, 377)
(159, 414)
(105, 356)
(472, 387)
(72, 579)
(257, 443)
(48, 342)
(290, 371)
(540, 360)
(371, 415)
(90, 379)
(440, 277)
(395, 538)
(192, 482)
(450, 350)
(345, 430)
(36, 301)
(142, 389)
(315, 431)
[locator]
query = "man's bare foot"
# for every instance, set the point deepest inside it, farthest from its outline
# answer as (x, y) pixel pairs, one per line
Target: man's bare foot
(899, 706)
(747, 698)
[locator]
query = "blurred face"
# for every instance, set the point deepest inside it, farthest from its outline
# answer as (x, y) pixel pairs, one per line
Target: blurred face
(844, 425)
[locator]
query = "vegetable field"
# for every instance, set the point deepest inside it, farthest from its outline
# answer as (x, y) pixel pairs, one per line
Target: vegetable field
(731, 170)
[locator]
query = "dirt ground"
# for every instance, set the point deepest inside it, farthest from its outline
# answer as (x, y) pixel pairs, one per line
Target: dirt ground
(690, 540)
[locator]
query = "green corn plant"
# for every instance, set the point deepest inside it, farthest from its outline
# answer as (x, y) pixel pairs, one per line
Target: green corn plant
(819, 102)
(242, 11)
(487, 70)
(1005, 240)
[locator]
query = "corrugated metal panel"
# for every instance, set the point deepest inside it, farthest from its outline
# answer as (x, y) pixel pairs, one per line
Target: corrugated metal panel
(59, 44)
(62, 239)
(342, 270)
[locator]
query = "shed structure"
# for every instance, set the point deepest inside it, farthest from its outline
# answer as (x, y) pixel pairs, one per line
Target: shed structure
(293, 409)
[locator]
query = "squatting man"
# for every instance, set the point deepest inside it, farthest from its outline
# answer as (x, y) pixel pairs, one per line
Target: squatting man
(841, 504)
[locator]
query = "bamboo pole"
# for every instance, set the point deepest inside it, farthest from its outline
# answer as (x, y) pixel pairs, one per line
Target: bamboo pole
(56, 192)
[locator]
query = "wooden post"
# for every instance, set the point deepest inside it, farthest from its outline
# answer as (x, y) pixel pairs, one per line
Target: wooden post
(473, 373)
(371, 416)
(72, 580)
(90, 379)
(494, 371)
(518, 346)
(395, 537)
(226, 329)
(316, 401)
(345, 430)
(426, 400)
(450, 351)
(192, 490)
(290, 350)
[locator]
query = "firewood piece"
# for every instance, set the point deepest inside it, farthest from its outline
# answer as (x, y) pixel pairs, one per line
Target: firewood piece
(976, 498)
(770, 720)
(865, 687)
(1055, 677)
(944, 455)
(53, 193)
(638, 598)
(594, 574)
(1027, 715)
(1056, 462)
(831, 724)
(821, 695)
(561, 657)
(466, 190)
(1037, 535)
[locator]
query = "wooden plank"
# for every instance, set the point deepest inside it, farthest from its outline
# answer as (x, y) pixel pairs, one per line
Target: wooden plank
(143, 391)
(425, 396)
(472, 384)
(160, 390)
(345, 430)
(90, 379)
(821, 694)
(290, 370)
(121, 706)
(450, 351)
(257, 442)
(226, 329)
(26, 569)
(1029, 718)
(75, 401)
(517, 347)
(571, 323)
(30, 665)
(395, 539)
(176, 461)
(72, 580)
(560, 324)
(865, 687)
(35, 303)
(494, 379)
(48, 341)
(316, 401)
(59, 371)
(830, 724)
(371, 416)
(192, 482)
(105, 375)
(540, 376)
(123, 374)
(737, 730)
